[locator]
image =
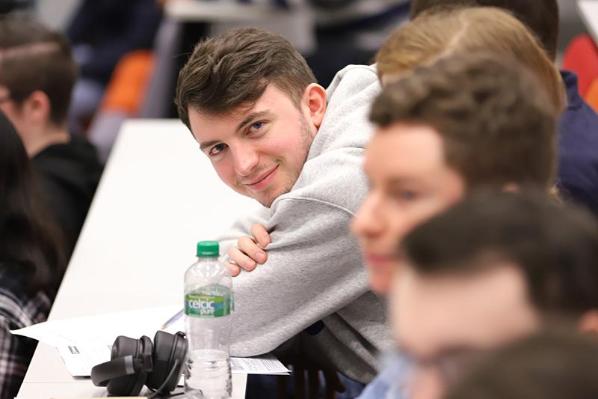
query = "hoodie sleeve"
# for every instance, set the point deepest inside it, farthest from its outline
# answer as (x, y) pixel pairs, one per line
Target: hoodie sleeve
(314, 269)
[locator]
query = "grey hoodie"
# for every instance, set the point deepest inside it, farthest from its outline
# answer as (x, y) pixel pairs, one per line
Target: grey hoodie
(314, 270)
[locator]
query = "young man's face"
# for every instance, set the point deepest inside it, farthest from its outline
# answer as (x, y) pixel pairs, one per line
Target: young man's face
(443, 321)
(409, 182)
(258, 151)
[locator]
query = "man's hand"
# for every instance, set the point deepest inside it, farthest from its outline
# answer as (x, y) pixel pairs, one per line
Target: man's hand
(249, 251)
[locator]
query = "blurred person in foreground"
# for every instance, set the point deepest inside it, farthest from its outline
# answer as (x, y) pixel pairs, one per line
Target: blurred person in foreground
(31, 261)
(37, 73)
(444, 130)
(492, 269)
(551, 364)
(426, 40)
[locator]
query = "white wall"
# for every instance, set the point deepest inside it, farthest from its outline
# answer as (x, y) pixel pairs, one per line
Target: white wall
(571, 23)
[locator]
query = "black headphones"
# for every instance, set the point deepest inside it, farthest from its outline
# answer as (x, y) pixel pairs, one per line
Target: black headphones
(135, 362)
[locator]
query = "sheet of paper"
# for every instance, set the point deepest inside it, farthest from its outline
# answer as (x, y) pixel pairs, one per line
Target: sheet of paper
(102, 328)
(267, 364)
(86, 341)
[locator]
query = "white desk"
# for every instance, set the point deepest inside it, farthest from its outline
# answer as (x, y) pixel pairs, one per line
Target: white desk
(159, 195)
(588, 10)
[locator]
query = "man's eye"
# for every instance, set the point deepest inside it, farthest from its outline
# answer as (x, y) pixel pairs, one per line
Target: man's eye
(256, 126)
(217, 149)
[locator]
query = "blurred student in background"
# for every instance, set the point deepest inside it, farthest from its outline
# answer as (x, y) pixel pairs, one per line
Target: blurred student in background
(101, 32)
(31, 260)
(466, 122)
(492, 269)
(577, 177)
(350, 32)
(37, 73)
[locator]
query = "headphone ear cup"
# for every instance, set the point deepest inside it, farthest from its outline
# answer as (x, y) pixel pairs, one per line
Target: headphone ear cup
(168, 348)
(129, 385)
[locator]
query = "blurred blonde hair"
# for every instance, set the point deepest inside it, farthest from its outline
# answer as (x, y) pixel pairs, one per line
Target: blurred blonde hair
(465, 30)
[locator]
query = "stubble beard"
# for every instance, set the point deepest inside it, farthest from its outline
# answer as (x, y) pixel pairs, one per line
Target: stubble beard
(306, 140)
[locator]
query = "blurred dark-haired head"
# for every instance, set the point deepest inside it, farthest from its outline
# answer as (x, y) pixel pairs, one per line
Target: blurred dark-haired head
(29, 242)
(15, 169)
(34, 58)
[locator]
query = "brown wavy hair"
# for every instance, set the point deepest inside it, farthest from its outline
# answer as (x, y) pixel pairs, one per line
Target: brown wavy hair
(467, 30)
(234, 69)
(541, 17)
(496, 124)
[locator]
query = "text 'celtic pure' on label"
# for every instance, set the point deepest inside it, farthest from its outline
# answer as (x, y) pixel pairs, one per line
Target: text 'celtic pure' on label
(199, 305)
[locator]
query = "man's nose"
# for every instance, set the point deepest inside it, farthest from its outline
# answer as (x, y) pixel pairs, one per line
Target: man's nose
(245, 159)
(367, 221)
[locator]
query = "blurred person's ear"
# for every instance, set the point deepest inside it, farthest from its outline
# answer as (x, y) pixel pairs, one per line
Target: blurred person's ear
(589, 322)
(36, 107)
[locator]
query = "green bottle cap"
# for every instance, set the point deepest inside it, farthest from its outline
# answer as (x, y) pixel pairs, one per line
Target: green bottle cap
(208, 249)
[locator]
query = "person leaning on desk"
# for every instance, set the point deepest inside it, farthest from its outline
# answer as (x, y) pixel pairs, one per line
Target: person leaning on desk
(275, 135)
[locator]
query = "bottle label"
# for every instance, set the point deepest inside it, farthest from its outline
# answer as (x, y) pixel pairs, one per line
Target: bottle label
(200, 305)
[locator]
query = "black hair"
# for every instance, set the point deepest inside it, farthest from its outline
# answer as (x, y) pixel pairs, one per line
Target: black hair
(28, 240)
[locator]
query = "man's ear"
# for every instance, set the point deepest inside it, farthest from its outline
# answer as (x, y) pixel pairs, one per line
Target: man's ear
(589, 322)
(37, 107)
(314, 100)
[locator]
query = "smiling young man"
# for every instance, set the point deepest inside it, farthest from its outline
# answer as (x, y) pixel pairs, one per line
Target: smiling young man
(463, 123)
(275, 135)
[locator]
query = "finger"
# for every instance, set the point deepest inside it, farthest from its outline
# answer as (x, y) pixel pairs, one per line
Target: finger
(236, 256)
(250, 248)
(233, 269)
(261, 235)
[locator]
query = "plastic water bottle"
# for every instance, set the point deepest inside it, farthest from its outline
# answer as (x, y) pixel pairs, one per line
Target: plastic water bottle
(208, 305)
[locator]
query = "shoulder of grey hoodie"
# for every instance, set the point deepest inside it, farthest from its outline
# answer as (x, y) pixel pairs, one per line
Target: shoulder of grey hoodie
(333, 171)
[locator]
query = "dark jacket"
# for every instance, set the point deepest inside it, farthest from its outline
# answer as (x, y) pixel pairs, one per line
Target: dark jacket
(68, 174)
(578, 149)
